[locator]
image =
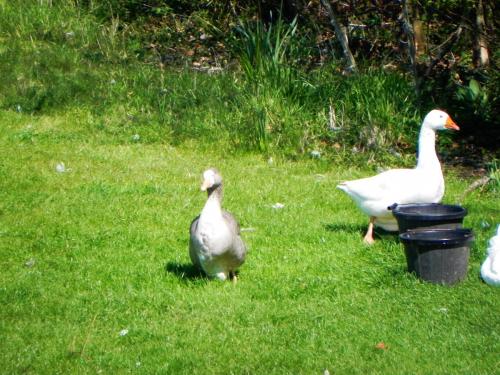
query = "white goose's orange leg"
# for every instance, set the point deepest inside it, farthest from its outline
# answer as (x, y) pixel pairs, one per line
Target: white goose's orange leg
(368, 239)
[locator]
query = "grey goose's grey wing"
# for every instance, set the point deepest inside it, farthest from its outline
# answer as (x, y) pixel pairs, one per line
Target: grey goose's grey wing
(192, 247)
(239, 246)
(231, 222)
(240, 250)
(194, 225)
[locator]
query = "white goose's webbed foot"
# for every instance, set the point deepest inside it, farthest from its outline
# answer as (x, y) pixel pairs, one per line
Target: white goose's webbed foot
(368, 239)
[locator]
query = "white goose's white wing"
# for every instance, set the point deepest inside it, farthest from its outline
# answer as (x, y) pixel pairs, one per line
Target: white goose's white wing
(374, 194)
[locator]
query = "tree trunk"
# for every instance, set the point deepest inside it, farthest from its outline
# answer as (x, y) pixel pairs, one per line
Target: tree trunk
(410, 42)
(480, 49)
(341, 33)
(418, 30)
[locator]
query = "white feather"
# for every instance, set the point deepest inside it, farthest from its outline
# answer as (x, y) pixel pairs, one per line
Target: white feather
(490, 270)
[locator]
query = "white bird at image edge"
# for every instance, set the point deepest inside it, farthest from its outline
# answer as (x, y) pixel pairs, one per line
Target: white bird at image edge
(490, 270)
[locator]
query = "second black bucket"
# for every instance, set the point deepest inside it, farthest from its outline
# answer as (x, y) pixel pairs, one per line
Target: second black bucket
(440, 256)
(428, 215)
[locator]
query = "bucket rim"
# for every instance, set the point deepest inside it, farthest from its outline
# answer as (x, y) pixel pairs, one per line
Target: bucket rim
(438, 236)
(456, 212)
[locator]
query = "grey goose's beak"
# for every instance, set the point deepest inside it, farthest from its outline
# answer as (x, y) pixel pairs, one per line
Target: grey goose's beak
(205, 185)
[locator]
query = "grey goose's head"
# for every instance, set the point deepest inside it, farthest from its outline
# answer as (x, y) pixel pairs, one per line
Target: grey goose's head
(211, 180)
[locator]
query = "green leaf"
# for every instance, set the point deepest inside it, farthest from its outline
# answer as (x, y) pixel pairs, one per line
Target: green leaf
(474, 87)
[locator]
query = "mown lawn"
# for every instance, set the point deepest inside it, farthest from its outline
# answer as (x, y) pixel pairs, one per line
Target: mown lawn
(95, 274)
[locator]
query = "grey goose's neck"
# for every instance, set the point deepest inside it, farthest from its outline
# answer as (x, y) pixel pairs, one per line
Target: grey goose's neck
(212, 210)
(215, 193)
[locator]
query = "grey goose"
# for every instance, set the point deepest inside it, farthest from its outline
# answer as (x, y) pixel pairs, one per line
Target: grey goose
(215, 244)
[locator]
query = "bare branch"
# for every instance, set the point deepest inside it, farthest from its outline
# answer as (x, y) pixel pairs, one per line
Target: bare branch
(404, 18)
(341, 33)
(444, 48)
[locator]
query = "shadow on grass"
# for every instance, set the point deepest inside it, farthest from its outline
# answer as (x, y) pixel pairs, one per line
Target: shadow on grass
(188, 272)
(184, 271)
(392, 237)
(379, 233)
(343, 227)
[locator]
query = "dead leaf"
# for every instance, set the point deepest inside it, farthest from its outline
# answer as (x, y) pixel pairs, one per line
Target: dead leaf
(381, 346)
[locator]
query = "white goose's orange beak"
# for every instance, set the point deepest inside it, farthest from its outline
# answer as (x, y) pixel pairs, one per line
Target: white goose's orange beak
(450, 124)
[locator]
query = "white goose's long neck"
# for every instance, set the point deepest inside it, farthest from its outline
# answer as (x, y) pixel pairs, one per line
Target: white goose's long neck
(427, 157)
(213, 203)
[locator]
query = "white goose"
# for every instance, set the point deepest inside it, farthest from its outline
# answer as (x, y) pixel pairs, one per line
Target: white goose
(422, 184)
(215, 244)
(490, 270)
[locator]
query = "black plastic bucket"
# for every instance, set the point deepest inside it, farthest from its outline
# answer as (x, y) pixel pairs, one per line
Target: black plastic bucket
(440, 256)
(428, 215)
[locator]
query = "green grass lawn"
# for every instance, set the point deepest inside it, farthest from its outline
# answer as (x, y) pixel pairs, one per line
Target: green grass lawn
(96, 278)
